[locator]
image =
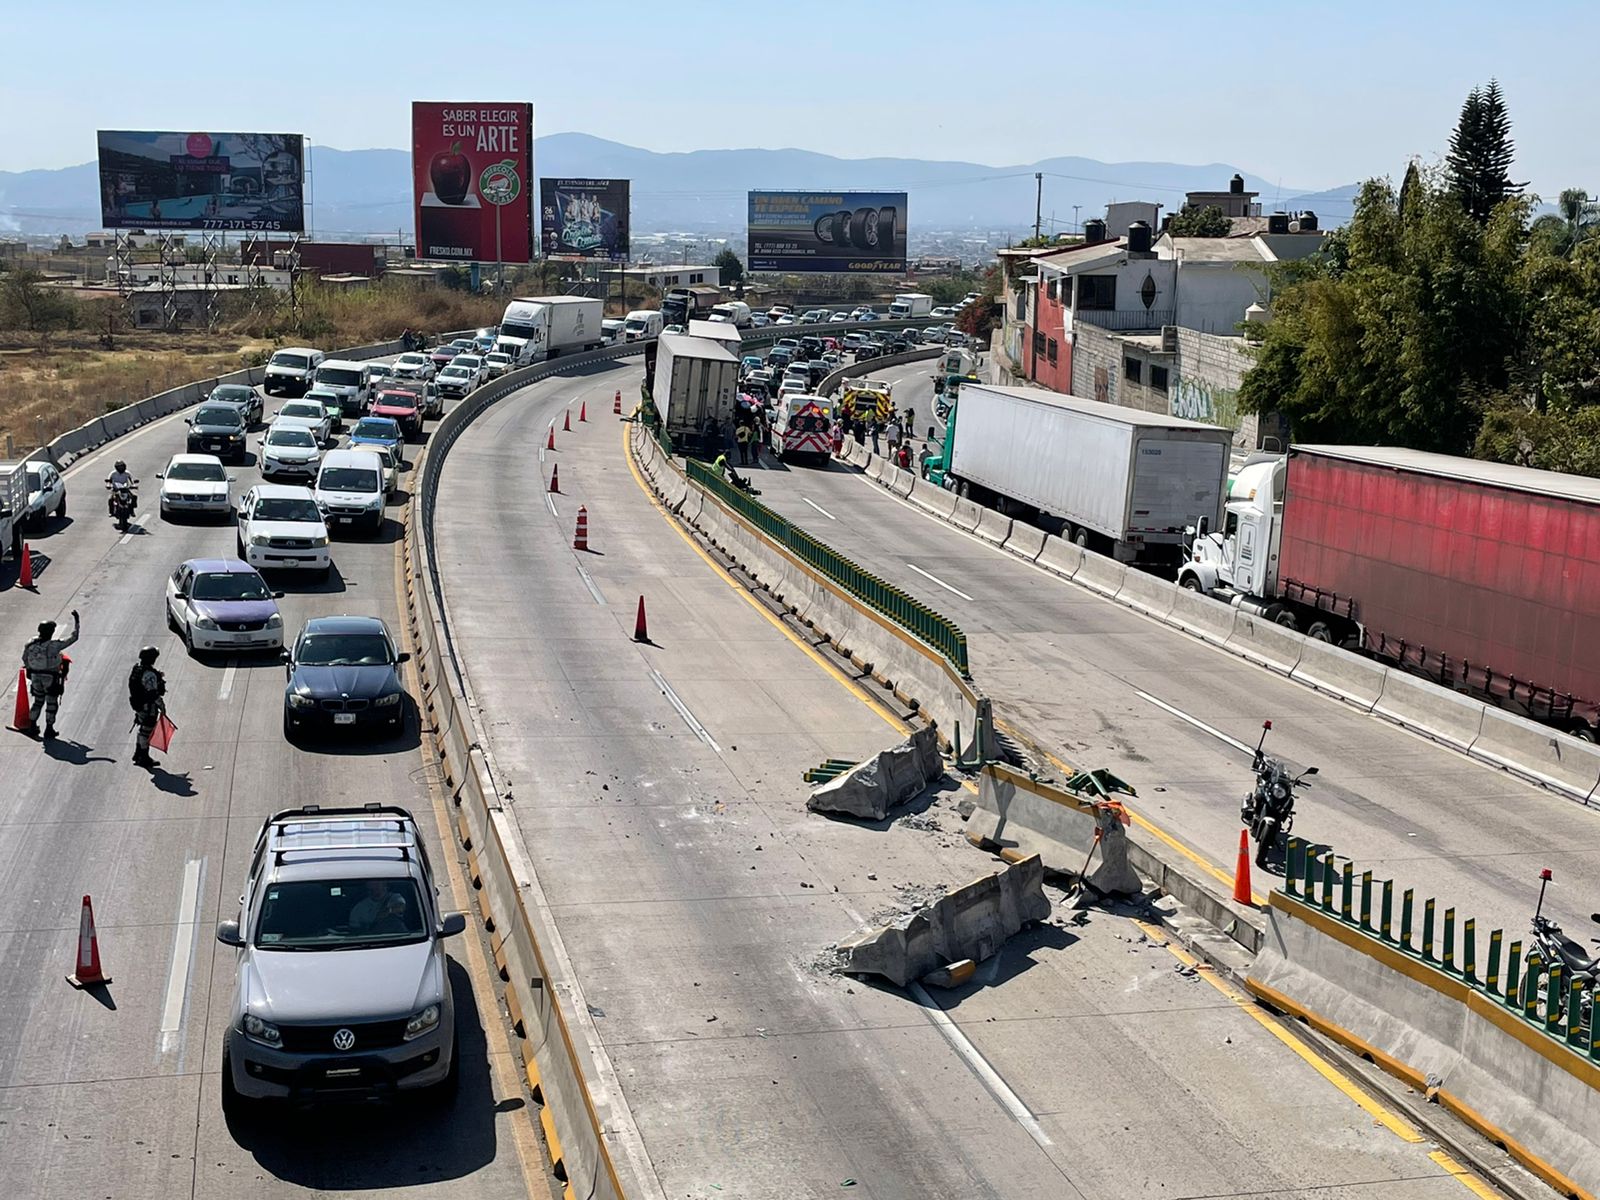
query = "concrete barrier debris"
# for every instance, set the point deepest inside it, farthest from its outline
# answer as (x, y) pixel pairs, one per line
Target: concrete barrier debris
(887, 779)
(970, 922)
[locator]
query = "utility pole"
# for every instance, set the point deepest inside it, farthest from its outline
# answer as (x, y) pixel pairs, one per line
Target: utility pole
(1076, 228)
(1038, 202)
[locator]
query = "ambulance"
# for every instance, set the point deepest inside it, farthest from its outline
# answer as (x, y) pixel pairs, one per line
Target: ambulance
(801, 427)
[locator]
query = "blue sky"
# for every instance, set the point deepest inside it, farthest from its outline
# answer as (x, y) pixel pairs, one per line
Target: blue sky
(1312, 95)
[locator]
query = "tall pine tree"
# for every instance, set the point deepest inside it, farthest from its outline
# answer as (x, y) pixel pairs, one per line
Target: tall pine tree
(1481, 153)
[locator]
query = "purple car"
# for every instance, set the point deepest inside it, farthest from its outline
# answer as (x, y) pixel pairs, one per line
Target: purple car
(222, 604)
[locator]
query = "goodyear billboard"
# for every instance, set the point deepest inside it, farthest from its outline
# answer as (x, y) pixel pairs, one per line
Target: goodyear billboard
(584, 218)
(153, 179)
(472, 180)
(827, 231)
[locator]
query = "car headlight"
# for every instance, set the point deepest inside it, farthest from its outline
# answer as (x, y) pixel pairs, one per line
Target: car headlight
(423, 1022)
(264, 1032)
(260, 539)
(388, 701)
(296, 700)
(274, 622)
(205, 623)
(375, 502)
(318, 542)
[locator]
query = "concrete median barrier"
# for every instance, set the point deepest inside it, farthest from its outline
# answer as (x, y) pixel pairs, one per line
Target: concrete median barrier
(1538, 753)
(1016, 815)
(965, 515)
(1100, 574)
(938, 501)
(1146, 593)
(889, 778)
(1427, 708)
(972, 921)
(1358, 681)
(876, 466)
(1265, 642)
(904, 482)
(1061, 557)
(1208, 619)
(1025, 541)
(992, 526)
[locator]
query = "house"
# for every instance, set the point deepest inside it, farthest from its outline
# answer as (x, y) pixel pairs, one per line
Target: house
(667, 277)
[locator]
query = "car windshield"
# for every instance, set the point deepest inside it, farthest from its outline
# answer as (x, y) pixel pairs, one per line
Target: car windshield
(348, 479)
(282, 359)
(339, 914)
(232, 393)
(218, 415)
(398, 399)
(374, 429)
(291, 435)
(230, 585)
(410, 360)
(447, 351)
(199, 472)
(454, 373)
(338, 376)
(378, 369)
(288, 508)
(343, 650)
(299, 409)
(497, 359)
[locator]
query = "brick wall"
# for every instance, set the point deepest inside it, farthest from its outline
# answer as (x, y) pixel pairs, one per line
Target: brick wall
(1209, 370)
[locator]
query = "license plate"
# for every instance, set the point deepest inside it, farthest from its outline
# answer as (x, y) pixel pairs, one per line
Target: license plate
(345, 520)
(344, 718)
(342, 1073)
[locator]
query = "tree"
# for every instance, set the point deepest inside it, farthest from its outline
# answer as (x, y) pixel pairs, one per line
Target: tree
(1481, 153)
(730, 269)
(1576, 219)
(1207, 222)
(25, 303)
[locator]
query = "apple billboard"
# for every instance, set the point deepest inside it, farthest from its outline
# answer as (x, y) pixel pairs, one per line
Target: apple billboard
(471, 181)
(584, 218)
(843, 232)
(155, 179)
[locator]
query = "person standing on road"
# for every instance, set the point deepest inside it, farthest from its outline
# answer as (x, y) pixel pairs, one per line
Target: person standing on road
(147, 689)
(894, 432)
(741, 435)
(47, 675)
(877, 427)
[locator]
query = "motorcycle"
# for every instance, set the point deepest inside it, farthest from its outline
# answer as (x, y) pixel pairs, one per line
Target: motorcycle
(1554, 947)
(124, 502)
(1268, 810)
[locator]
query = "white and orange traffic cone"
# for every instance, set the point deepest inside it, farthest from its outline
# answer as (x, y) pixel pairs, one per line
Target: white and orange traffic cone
(25, 567)
(23, 720)
(580, 540)
(1241, 872)
(87, 972)
(555, 478)
(550, 442)
(566, 421)
(616, 403)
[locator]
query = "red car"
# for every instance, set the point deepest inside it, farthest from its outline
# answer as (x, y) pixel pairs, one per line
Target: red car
(441, 355)
(401, 406)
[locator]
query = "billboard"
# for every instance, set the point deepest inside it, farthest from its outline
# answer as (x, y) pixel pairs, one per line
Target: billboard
(827, 231)
(584, 218)
(219, 181)
(472, 181)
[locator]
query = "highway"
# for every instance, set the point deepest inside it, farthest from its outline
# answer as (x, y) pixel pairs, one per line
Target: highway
(657, 790)
(1099, 685)
(116, 1093)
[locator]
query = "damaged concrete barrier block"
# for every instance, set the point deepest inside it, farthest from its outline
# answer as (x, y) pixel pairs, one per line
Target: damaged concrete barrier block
(871, 788)
(973, 921)
(1114, 876)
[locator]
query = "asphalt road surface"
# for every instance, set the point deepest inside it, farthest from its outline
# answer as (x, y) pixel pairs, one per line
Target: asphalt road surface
(116, 1092)
(657, 788)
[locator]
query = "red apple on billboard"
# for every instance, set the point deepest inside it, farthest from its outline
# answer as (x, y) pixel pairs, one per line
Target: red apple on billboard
(451, 175)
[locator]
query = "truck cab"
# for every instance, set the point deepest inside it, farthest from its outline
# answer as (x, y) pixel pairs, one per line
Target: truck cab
(1240, 560)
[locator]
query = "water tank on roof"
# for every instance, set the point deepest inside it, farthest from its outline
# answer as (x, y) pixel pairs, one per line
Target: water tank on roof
(1278, 223)
(1094, 230)
(1236, 185)
(1308, 222)
(1139, 238)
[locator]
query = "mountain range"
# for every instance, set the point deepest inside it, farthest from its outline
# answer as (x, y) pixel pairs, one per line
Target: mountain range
(367, 192)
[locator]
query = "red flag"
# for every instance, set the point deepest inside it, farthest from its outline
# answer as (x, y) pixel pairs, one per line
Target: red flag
(161, 737)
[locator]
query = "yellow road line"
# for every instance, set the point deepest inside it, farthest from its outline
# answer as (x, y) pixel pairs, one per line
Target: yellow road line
(1464, 1176)
(849, 684)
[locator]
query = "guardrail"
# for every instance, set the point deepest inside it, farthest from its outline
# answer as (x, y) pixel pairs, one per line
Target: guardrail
(916, 618)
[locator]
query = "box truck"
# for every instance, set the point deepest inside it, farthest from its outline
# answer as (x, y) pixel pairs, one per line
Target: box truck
(908, 306)
(535, 328)
(731, 312)
(1120, 479)
(720, 332)
(1479, 575)
(684, 303)
(640, 324)
(695, 384)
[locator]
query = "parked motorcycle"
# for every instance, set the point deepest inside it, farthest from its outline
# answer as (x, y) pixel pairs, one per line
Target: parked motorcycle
(1553, 947)
(124, 503)
(1269, 808)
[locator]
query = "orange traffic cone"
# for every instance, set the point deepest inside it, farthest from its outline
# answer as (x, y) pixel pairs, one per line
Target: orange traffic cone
(641, 632)
(23, 720)
(550, 443)
(566, 421)
(88, 972)
(616, 404)
(1241, 873)
(25, 567)
(555, 478)
(583, 411)
(580, 540)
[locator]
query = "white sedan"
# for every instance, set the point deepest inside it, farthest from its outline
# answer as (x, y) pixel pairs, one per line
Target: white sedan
(414, 366)
(309, 414)
(195, 483)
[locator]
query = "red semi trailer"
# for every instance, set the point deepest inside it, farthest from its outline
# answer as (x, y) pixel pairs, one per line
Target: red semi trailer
(1481, 576)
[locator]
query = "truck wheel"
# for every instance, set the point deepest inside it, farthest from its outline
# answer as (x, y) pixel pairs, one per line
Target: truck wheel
(1320, 631)
(964, 490)
(1190, 583)
(1584, 733)
(1285, 618)
(1080, 537)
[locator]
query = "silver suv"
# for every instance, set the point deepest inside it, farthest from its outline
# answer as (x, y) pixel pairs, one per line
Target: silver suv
(342, 988)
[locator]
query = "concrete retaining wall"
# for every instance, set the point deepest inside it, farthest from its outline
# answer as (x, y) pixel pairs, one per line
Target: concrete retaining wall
(1025, 541)
(1538, 753)
(992, 527)
(1347, 676)
(1146, 593)
(1422, 706)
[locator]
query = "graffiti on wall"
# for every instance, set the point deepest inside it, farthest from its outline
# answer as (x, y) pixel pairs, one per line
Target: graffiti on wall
(1196, 400)
(1102, 385)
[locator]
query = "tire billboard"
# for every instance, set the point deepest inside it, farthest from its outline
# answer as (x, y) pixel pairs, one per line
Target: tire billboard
(584, 218)
(472, 180)
(827, 231)
(164, 179)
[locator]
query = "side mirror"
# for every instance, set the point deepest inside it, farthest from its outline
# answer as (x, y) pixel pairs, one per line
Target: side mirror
(285, 657)
(231, 478)
(1309, 771)
(188, 420)
(403, 657)
(277, 595)
(452, 924)
(161, 474)
(1202, 526)
(933, 434)
(228, 933)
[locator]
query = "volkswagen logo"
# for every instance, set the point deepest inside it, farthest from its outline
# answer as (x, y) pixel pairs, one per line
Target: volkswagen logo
(344, 1039)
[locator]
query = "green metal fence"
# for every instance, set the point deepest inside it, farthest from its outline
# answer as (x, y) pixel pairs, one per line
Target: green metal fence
(942, 634)
(1539, 992)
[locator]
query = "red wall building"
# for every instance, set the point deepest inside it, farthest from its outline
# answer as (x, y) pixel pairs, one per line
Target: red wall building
(1047, 354)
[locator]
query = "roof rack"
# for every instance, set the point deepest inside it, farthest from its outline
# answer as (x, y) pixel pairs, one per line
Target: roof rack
(316, 812)
(403, 847)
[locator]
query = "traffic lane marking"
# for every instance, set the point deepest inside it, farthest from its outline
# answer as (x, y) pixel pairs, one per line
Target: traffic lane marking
(819, 508)
(934, 578)
(183, 944)
(225, 688)
(136, 526)
(1196, 722)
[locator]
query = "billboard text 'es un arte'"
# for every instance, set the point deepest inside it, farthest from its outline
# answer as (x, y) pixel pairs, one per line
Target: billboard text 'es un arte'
(472, 181)
(828, 231)
(151, 179)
